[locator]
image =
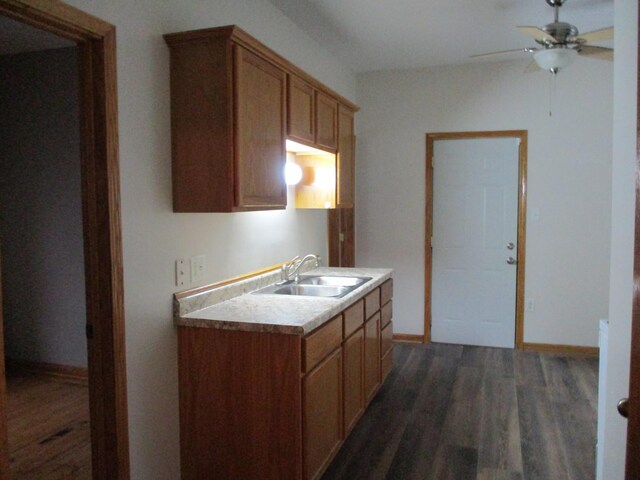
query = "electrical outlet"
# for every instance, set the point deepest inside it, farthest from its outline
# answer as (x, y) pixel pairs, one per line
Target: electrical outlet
(197, 269)
(181, 272)
(529, 304)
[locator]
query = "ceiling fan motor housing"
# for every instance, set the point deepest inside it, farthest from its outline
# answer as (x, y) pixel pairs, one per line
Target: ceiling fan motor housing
(561, 31)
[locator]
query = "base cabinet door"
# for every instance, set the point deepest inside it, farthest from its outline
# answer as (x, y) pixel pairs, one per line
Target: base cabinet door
(353, 379)
(371, 356)
(322, 414)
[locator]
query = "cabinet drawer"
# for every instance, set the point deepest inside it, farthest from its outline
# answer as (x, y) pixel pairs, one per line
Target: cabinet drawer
(387, 313)
(386, 339)
(321, 342)
(372, 303)
(353, 318)
(386, 291)
(386, 364)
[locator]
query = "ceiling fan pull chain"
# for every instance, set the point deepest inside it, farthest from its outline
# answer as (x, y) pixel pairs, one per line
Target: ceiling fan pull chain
(553, 82)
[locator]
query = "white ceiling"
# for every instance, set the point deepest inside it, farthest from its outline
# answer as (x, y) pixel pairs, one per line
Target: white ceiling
(16, 37)
(373, 35)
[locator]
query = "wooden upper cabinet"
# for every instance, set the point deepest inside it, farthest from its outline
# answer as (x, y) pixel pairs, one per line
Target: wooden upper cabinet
(227, 124)
(234, 102)
(326, 121)
(301, 108)
(260, 114)
(346, 160)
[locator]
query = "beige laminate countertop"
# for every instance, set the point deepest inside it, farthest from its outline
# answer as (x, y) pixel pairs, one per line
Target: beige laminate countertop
(235, 307)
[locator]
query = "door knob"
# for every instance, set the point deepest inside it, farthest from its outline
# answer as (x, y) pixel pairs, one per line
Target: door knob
(623, 407)
(511, 261)
(510, 246)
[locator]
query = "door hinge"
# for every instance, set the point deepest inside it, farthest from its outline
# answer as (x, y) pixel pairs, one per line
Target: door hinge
(341, 237)
(88, 331)
(431, 242)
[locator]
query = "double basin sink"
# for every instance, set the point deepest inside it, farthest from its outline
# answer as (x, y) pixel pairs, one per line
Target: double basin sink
(316, 286)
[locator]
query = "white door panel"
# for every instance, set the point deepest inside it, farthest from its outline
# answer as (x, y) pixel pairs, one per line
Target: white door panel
(475, 208)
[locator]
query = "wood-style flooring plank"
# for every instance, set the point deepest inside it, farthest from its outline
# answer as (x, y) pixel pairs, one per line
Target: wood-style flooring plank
(424, 428)
(540, 436)
(449, 412)
(48, 428)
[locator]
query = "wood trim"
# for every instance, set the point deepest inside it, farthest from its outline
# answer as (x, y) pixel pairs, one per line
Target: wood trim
(56, 17)
(428, 235)
(522, 218)
(561, 349)
(206, 288)
(54, 370)
(632, 466)
(101, 222)
(407, 338)
(333, 237)
(241, 37)
(4, 447)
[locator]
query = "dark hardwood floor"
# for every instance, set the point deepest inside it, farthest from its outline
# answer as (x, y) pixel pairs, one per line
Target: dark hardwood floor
(48, 428)
(448, 412)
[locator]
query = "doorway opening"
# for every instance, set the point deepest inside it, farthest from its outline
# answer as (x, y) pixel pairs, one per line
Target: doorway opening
(102, 248)
(518, 261)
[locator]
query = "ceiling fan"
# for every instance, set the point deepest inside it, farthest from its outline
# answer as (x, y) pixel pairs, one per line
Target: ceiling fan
(560, 43)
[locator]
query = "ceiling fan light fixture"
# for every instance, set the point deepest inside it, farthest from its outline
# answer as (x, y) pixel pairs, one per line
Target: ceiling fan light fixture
(555, 59)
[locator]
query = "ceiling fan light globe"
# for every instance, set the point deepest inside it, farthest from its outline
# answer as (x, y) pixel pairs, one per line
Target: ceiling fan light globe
(555, 59)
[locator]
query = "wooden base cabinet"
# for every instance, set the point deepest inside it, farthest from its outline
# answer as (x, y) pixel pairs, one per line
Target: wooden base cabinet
(322, 414)
(353, 379)
(275, 406)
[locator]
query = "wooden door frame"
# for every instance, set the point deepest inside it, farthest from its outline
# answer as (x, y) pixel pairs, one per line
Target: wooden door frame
(102, 236)
(632, 467)
(522, 216)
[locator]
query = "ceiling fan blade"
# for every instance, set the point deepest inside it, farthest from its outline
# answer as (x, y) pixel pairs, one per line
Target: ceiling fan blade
(501, 52)
(538, 34)
(595, 36)
(600, 53)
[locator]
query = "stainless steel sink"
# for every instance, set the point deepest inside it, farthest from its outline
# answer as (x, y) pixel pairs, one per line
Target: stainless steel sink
(312, 290)
(332, 280)
(316, 286)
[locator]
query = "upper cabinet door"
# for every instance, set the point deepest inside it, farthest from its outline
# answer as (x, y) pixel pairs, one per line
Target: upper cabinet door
(326, 121)
(260, 130)
(346, 160)
(301, 110)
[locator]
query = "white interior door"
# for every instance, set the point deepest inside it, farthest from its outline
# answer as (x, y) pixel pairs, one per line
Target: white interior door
(475, 226)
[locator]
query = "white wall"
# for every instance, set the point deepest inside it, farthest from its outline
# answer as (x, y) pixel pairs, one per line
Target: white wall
(569, 171)
(154, 236)
(41, 208)
(622, 232)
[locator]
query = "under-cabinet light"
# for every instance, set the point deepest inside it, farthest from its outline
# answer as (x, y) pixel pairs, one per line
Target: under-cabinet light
(292, 173)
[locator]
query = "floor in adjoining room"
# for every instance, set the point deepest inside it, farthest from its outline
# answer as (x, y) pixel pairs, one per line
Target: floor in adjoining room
(48, 428)
(450, 412)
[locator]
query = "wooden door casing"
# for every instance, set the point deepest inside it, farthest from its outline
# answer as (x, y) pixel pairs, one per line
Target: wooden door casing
(4, 447)
(101, 223)
(632, 468)
(522, 209)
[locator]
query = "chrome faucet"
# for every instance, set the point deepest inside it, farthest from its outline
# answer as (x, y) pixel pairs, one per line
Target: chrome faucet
(291, 268)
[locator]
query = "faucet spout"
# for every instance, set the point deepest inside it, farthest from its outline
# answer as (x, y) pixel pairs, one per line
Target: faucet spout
(290, 269)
